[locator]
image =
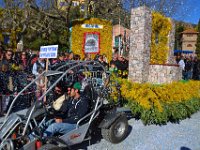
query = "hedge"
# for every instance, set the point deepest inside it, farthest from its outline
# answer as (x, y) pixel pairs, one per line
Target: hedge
(159, 104)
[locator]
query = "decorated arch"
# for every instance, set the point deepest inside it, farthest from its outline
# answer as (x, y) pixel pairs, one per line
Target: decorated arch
(93, 36)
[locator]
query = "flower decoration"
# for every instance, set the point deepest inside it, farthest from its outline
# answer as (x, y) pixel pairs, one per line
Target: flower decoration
(161, 27)
(77, 41)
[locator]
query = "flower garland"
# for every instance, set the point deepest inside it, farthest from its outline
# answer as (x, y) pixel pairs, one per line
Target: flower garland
(161, 26)
(105, 36)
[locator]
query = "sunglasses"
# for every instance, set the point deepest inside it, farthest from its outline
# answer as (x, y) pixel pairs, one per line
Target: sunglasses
(9, 54)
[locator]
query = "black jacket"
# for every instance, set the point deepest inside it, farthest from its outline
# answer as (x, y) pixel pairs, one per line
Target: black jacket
(72, 110)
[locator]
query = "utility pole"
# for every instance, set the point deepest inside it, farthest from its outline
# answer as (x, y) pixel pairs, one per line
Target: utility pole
(119, 49)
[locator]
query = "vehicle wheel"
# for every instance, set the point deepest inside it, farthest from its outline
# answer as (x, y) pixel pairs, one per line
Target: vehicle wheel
(50, 147)
(117, 131)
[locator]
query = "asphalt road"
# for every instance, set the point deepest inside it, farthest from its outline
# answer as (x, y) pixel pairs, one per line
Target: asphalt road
(182, 136)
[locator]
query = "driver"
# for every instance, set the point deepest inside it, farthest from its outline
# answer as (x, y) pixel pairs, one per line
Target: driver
(73, 108)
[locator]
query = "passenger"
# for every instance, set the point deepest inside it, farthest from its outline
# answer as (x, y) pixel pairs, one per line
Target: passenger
(72, 109)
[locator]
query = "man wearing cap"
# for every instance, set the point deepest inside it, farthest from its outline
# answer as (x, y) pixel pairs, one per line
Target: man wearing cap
(72, 110)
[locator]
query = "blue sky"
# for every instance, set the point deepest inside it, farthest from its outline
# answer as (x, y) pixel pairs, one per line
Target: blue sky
(192, 12)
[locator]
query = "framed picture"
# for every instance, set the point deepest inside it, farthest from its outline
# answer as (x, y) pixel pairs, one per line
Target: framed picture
(91, 42)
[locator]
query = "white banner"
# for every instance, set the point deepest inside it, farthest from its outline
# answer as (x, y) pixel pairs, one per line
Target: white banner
(49, 51)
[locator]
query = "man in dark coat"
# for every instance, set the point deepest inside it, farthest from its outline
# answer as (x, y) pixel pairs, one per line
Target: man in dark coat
(72, 110)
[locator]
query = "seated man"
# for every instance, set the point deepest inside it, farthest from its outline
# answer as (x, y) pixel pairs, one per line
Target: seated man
(73, 108)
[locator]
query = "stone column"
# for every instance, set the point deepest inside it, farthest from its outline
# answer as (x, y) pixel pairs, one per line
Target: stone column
(140, 42)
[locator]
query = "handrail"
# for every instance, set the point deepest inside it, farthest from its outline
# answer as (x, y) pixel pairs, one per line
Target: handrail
(96, 108)
(90, 113)
(74, 62)
(54, 84)
(28, 120)
(70, 63)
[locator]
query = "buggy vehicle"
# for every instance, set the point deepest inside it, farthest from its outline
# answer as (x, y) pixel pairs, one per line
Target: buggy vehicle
(103, 114)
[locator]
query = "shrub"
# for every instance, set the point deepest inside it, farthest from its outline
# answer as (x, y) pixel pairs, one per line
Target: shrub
(158, 104)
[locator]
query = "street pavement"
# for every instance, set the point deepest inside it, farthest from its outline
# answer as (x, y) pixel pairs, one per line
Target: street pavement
(182, 136)
(173, 136)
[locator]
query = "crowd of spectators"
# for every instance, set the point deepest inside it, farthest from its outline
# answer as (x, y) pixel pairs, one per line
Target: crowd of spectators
(19, 68)
(190, 66)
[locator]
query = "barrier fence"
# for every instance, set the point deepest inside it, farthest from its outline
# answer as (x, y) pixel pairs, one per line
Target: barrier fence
(24, 101)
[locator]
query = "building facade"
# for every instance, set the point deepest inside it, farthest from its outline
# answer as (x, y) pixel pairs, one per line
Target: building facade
(189, 40)
(121, 38)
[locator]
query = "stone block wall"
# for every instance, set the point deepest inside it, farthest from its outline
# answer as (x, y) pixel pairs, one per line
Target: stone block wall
(140, 69)
(139, 55)
(159, 74)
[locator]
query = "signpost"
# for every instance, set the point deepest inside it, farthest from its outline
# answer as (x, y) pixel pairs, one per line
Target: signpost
(47, 52)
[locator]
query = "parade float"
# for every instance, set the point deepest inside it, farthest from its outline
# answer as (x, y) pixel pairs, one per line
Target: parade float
(92, 36)
(154, 90)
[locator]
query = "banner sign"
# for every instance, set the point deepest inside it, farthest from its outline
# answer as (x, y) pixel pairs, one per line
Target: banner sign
(91, 43)
(92, 26)
(49, 51)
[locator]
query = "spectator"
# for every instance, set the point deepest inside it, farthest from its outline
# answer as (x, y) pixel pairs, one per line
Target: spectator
(102, 62)
(196, 71)
(38, 65)
(6, 86)
(87, 57)
(71, 56)
(181, 64)
(105, 58)
(23, 61)
(115, 61)
(113, 68)
(1, 58)
(7, 59)
(188, 68)
(77, 57)
(40, 84)
(123, 67)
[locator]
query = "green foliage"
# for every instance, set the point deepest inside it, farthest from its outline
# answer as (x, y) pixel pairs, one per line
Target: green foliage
(172, 112)
(179, 28)
(198, 41)
(35, 40)
(159, 104)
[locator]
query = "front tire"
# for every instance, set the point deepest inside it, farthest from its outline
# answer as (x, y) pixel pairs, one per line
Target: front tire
(117, 132)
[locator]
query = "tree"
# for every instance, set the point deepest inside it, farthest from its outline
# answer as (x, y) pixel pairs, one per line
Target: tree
(112, 10)
(179, 29)
(198, 41)
(54, 19)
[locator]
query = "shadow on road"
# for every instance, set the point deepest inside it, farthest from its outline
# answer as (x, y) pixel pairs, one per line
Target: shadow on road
(95, 139)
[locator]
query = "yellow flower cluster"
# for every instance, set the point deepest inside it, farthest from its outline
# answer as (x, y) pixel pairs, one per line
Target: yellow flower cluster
(161, 26)
(148, 95)
(105, 36)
